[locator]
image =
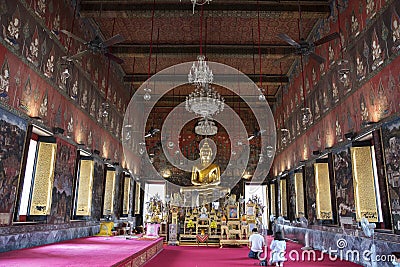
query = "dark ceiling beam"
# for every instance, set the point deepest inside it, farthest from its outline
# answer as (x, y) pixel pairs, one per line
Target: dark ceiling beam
(271, 79)
(130, 9)
(140, 50)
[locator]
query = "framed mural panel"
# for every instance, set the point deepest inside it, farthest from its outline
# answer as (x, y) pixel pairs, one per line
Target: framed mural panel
(64, 175)
(85, 187)
(13, 134)
(344, 185)
(391, 145)
(364, 184)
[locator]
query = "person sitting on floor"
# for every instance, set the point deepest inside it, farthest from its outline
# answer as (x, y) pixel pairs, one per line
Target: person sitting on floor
(278, 249)
(256, 244)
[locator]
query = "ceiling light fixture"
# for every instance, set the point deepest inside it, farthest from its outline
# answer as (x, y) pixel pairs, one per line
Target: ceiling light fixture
(204, 100)
(206, 127)
(200, 74)
(343, 64)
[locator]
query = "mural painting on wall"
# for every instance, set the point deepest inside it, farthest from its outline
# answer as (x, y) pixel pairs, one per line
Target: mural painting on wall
(12, 138)
(391, 144)
(310, 191)
(292, 196)
(64, 174)
(98, 189)
(344, 184)
(11, 29)
(4, 81)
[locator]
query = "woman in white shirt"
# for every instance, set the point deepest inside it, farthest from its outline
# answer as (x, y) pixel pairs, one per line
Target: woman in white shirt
(278, 249)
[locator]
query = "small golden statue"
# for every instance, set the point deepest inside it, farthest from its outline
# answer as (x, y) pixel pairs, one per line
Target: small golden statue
(206, 173)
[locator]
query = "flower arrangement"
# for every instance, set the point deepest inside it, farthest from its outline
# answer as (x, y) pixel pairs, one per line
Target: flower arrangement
(190, 224)
(213, 224)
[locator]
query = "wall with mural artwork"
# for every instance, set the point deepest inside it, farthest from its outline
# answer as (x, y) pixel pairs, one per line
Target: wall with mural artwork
(344, 184)
(391, 144)
(64, 174)
(33, 89)
(370, 42)
(366, 99)
(12, 139)
(31, 80)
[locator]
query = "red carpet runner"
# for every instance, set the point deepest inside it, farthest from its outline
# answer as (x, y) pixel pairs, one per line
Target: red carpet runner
(193, 256)
(90, 251)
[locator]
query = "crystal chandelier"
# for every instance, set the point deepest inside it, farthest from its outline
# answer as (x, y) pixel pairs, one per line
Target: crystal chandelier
(200, 74)
(205, 102)
(206, 127)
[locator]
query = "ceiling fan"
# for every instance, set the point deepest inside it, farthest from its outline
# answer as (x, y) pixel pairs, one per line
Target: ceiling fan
(255, 134)
(305, 48)
(96, 46)
(151, 132)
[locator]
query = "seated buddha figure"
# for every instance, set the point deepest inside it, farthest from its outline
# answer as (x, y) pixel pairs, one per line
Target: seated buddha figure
(206, 173)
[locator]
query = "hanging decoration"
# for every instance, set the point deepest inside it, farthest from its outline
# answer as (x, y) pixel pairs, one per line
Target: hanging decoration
(305, 111)
(147, 90)
(105, 106)
(343, 64)
(284, 131)
(204, 101)
(261, 95)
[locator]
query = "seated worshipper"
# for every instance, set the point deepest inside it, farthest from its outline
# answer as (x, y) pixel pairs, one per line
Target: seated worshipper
(278, 250)
(256, 244)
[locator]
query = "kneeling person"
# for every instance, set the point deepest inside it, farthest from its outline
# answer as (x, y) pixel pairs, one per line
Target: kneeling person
(256, 244)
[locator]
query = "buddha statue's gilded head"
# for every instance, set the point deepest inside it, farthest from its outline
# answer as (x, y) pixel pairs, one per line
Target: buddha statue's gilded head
(206, 153)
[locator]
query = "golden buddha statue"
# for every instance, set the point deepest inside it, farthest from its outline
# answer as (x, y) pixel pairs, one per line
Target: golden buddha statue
(206, 173)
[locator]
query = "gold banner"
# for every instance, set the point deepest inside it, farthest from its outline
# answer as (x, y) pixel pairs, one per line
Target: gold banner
(43, 180)
(273, 199)
(137, 198)
(127, 191)
(364, 184)
(323, 191)
(85, 187)
(299, 190)
(283, 197)
(108, 206)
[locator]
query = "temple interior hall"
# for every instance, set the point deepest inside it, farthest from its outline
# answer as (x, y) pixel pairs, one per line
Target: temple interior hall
(200, 133)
